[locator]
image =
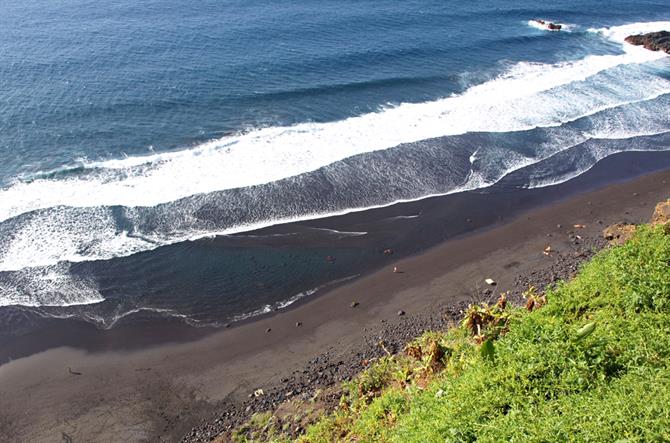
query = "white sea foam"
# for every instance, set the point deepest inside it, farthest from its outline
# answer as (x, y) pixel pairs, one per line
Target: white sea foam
(342, 233)
(619, 33)
(291, 300)
(48, 286)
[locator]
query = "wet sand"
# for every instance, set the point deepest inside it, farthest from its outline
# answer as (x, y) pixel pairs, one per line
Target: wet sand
(154, 381)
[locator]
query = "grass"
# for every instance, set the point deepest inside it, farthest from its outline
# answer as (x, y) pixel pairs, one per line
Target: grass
(589, 360)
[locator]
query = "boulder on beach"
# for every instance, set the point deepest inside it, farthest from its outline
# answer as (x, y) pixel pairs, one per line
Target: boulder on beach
(654, 41)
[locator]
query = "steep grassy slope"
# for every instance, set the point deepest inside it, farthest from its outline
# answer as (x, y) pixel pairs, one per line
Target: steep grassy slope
(588, 360)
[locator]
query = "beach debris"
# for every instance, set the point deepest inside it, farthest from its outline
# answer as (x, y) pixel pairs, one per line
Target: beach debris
(388, 251)
(490, 281)
(396, 270)
(661, 214)
(439, 393)
(559, 226)
(579, 226)
(547, 250)
(298, 324)
(619, 233)
(382, 344)
(268, 330)
(73, 372)
(258, 392)
(401, 313)
(354, 304)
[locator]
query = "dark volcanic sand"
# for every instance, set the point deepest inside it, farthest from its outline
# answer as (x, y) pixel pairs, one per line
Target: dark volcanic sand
(158, 393)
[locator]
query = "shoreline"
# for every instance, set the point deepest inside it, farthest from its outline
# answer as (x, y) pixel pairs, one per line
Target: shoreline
(435, 220)
(149, 390)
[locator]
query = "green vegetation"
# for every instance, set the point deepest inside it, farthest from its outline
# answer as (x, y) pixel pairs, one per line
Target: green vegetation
(589, 360)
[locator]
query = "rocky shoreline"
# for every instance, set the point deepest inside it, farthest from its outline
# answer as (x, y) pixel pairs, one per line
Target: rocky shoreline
(325, 373)
(654, 41)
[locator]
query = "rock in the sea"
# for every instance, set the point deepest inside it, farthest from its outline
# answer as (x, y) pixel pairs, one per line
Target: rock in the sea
(550, 25)
(654, 41)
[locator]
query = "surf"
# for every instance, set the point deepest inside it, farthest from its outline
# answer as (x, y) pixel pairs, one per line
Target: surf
(518, 99)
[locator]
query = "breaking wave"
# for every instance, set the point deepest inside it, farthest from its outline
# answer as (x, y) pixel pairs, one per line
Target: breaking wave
(98, 210)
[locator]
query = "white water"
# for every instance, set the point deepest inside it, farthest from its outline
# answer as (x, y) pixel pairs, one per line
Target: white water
(48, 286)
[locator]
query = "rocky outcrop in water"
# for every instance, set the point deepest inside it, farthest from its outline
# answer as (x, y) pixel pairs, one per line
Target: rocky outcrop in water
(549, 25)
(654, 41)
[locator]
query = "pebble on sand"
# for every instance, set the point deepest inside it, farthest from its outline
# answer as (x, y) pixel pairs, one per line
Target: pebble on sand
(268, 330)
(298, 324)
(401, 313)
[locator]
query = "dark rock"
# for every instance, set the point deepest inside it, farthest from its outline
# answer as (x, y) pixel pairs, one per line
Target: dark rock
(549, 25)
(654, 41)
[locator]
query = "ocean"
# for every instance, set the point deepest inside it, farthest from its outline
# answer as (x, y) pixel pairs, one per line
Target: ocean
(154, 152)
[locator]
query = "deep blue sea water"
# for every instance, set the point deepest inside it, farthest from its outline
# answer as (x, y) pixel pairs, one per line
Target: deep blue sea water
(127, 128)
